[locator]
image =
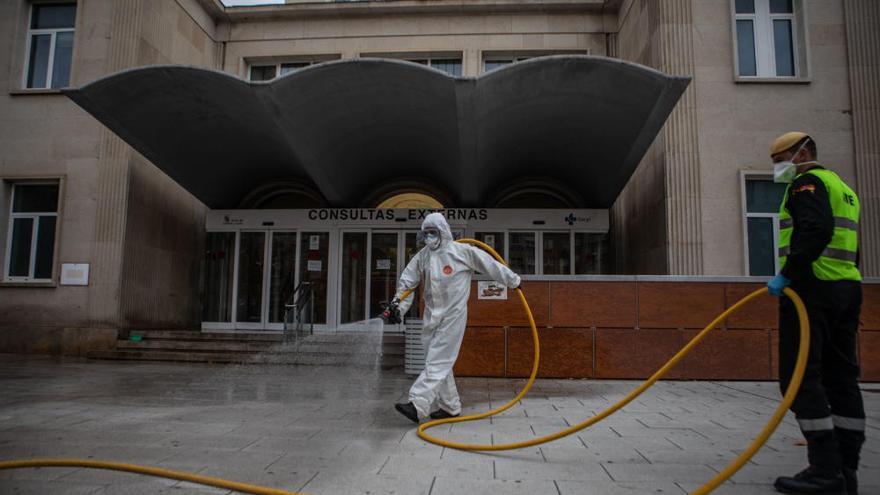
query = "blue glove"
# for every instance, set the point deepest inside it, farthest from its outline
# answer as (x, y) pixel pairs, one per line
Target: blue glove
(776, 284)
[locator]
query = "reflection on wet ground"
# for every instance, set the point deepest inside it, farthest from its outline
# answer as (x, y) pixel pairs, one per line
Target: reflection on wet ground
(332, 430)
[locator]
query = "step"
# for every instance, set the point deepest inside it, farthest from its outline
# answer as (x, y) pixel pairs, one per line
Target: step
(334, 348)
(246, 358)
(200, 335)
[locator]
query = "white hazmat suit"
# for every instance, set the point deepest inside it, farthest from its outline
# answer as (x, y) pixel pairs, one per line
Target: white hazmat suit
(445, 271)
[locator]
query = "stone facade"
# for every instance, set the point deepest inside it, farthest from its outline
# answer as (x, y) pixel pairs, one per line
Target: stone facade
(680, 214)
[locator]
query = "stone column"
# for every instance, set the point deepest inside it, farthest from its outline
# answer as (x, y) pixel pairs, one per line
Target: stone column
(863, 50)
(673, 53)
(113, 175)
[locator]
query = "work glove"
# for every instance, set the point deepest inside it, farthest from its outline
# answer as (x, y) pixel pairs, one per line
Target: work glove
(776, 284)
(391, 314)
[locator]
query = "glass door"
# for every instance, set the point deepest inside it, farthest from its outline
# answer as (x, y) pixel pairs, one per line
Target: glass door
(411, 246)
(251, 268)
(353, 278)
(282, 274)
(383, 270)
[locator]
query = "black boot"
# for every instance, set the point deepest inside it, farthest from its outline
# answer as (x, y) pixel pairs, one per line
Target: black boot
(408, 410)
(443, 414)
(852, 481)
(813, 480)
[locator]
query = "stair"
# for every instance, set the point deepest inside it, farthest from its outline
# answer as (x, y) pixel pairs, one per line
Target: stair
(324, 349)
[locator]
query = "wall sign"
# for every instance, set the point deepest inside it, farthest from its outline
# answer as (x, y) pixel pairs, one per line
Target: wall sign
(489, 289)
(383, 264)
(74, 274)
(314, 242)
(314, 265)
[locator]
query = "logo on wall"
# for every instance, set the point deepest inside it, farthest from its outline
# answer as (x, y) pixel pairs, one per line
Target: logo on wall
(227, 220)
(571, 219)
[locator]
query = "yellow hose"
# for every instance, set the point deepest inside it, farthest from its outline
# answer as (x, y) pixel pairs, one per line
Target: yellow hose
(728, 471)
(147, 470)
(732, 468)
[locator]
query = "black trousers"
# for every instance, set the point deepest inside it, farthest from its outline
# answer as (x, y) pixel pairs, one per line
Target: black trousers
(829, 405)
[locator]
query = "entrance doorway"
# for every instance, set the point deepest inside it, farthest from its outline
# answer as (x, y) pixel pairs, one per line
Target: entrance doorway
(371, 263)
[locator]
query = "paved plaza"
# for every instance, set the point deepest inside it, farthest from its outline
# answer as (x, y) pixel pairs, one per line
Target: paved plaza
(333, 430)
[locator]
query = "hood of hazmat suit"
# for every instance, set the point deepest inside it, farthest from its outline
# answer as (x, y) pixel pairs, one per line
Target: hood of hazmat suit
(445, 274)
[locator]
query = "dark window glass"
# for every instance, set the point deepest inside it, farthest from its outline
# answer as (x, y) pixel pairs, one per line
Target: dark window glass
(282, 274)
(63, 56)
(745, 6)
(494, 64)
(250, 277)
(53, 16)
(292, 67)
(522, 252)
(313, 269)
(37, 198)
(45, 247)
(745, 44)
(262, 72)
(557, 253)
(495, 240)
(20, 255)
(761, 246)
(764, 196)
(783, 47)
(780, 7)
(218, 272)
(450, 66)
(354, 277)
(38, 62)
(591, 254)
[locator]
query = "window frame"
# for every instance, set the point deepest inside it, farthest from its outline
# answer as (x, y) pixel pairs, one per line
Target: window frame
(53, 32)
(516, 56)
(277, 62)
(7, 256)
(765, 42)
(746, 175)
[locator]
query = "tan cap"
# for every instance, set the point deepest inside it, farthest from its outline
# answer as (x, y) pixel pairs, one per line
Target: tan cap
(786, 141)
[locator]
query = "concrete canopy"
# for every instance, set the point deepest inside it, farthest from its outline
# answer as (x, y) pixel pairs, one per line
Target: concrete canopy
(349, 126)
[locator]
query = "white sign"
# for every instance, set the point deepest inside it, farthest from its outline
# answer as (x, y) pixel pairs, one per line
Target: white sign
(491, 290)
(314, 265)
(314, 242)
(383, 264)
(490, 240)
(74, 274)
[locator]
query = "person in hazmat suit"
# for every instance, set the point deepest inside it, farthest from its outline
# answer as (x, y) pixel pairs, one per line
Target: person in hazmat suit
(444, 269)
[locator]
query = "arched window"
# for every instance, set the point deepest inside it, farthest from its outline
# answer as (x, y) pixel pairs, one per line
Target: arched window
(284, 195)
(536, 192)
(410, 200)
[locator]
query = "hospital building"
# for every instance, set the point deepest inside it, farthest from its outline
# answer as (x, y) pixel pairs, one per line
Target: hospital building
(175, 174)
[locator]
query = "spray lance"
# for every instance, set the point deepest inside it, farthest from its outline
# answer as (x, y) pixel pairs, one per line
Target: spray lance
(391, 312)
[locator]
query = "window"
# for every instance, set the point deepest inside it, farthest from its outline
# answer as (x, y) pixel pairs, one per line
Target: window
(266, 72)
(762, 200)
(591, 253)
(451, 66)
(767, 38)
(49, 45)
(30, 249)
(493, 63)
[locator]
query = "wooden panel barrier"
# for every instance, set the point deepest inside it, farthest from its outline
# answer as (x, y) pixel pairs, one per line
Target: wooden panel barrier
(627, 329)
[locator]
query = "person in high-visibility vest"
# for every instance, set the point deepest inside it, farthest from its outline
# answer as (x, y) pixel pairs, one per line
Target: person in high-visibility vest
(818, 253)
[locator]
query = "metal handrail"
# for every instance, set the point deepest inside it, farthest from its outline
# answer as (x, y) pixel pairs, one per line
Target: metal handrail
(301, 298)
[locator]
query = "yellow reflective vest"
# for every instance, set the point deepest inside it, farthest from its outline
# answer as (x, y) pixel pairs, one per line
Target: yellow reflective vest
(838, 260)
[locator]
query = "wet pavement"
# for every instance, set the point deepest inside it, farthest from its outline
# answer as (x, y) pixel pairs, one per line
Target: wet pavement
(333, 430)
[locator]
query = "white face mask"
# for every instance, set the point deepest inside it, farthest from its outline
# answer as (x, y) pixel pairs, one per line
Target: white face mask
(432, 241)
(785, 172)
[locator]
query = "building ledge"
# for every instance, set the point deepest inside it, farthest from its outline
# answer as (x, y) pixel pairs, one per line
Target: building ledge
(30, 285)
(31, 91)
(323, 8)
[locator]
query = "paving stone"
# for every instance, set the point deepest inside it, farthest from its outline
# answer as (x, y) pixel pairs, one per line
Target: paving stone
(328, 430)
